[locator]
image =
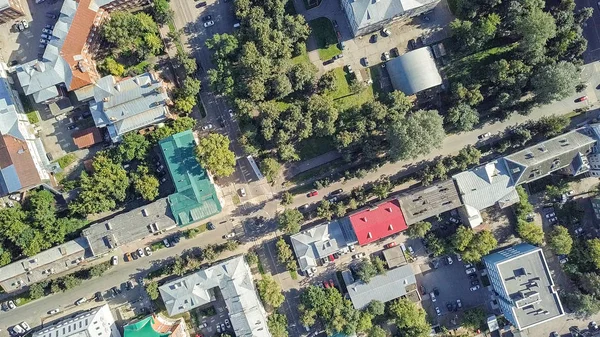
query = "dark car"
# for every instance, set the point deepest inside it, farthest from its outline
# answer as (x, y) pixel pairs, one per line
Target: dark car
(207, 18)
(334, 23)
(116, 291)
(374, 38)
(51, 15)
(474, 282)
(210, 226)
(221, 122)
(450, 306)
(473, 276)
(129, 285)
(394, 51)
(201, 4)
(336, 192)
(175, 239)
(330, 61)
(436, 292)
(412, 45)
(98, 296)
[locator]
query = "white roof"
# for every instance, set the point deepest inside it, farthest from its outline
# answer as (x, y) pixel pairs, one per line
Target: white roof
(486, 185)
(369, 12)
(97, 322)
(414, 71)
(317, 242)
(233, 278)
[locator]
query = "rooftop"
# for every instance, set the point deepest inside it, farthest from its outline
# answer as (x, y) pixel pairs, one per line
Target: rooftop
(378, 222)
(233, 279)
(369, 12)
(394, 257)
(87, 137)
(423, 203)
(129, 226)
(414, 71)
(548, 156)
(155, 326)
(321, 241)
(527, 281)
(97, 322)
(17, 168)
(486, 186)
(394, 284)
(195, 197)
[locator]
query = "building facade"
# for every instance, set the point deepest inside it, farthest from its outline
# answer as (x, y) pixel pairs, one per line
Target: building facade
(97, 322)
(526, 292)
(10, 10)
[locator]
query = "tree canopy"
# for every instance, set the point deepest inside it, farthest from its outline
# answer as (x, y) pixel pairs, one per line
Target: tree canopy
(132, 34)
(560, 240)
(290, 220)
(214, 154)
(410, 319)
(270, 291)
(417, 135)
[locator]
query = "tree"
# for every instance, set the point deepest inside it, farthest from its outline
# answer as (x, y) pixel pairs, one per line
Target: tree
(377, 331)
(366, 270)
(302, 76)
(335, 313)
(416, 136)
(162, 11)
(463, 117)
(593, 246)
(270, 169)
(252, 258)
(382, 188)
(290, 221)
(590, 283)
(483, 242)
(410, 319)
(101, 192)
(530, 232)
(560, 240)
(191, 87)
(36, 291)
(98, 270)
(178, 267)
(468, 95)
(210, 253)
(324, 210)
(555, 81)
(339, 209)
(133, 146)
(524, 207)
(214, 154)
(270, 292)
(145, 184)
(365, 322)
(284, 252)
(473, 319)
(419, 230)
(133, 34)
(152, 290)
(185, 104)
(536, 27)
(376, 308)
(70, 282)
(467, 156)
(287, 198)
(323, 114)
(436, 246)
(277, 324)
(111, 66)
(5, 256)
(583, 305)
(551, 126)
(327, 82)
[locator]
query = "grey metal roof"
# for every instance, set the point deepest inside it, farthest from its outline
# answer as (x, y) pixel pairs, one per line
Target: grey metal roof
(97, 322)
(384, 287)
(549, 156)
(369, 12)
(34, 269)
(234, 280)
(128, 227)
(423, 203)
(320, 241)
(4, 4)
(526, 279)
(9, 118)
(414, 71)
(486, 186)
(130, 104)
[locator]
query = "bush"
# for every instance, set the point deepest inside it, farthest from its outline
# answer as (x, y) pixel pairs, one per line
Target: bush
(33, 117)
(66, 160)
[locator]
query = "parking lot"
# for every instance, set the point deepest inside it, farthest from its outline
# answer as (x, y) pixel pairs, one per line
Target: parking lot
(217, 323)
(24, 46)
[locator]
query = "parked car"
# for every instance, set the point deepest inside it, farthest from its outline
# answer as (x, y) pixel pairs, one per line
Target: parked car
(207, 18)
(128, 257)
(114, 260)
(98, 296)
(550, 215)
(218, 328)
(336, 192)
(140, 252)
(385, 32)
(81, 301)
(412, 45)
(116, 291)
(458, 304)
(18, 329)
(438, 311)
(209, 23)
(470, 271)
(11, 305)
(468, 265)
(229, 236)
(360, 255)
(365, 61)
(349, 69)
(581, 99)
(227, 323)
(385, 56)
(449, 260)
(374, 38)
(474, 282)
(53, 311)
(207, 127)
(313, 193)
(129, 285)
(351, 248)
(242, 192)
(432, 296)
(475, 288)
(411, 250)
(484, 136)
(390, 245)
(458, 258)
(210, 226)
(148, 251)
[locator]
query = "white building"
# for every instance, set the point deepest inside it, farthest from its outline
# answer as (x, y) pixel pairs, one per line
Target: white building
(97, 322)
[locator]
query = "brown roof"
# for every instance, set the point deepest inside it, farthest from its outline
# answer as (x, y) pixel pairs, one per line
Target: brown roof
(87, 137)
(14, 151)
(74, 49)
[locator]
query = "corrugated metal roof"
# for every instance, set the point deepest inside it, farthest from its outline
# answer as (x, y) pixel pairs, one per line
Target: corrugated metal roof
(384, 287)
(414, 71)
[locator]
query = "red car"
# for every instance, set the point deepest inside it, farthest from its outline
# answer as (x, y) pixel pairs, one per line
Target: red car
(390, 245)
(581, 99)
(326, 284)
(313, 193)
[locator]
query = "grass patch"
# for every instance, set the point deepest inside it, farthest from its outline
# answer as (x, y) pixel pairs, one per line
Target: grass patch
(322, 30)
(66, 160)
(376, 78)
(236, 199)
(315, 146)
(157, 246)
(343, 97)
(476, 63)
(33, 117)
(192, 232)
(302, 58)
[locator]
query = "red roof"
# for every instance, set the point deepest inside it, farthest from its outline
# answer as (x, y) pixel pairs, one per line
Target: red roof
(87, 137)
(377, 223)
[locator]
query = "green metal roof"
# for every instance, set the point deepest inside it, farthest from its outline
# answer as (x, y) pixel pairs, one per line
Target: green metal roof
(142, 328)
(195, 198)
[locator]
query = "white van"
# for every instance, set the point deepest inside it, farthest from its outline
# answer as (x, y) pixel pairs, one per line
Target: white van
(236, 25)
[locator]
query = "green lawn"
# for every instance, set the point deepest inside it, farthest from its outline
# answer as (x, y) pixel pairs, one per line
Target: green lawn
(324, 34)
(302, 58)
(475, 63)
(342, 96)
(33, 117)
(66, 160)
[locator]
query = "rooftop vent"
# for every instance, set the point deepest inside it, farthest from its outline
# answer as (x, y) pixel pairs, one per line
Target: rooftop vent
(369, 235)
(391, 228)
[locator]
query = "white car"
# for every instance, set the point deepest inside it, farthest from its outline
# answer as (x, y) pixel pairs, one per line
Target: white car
(229, 236)
(11, 305)
(350, 70)
(242, 192)
(230, 111)
(474, 288)
(386, 55)
(459, 304)
(432, 295)
(17, 328)
(15, 197)
(550, 215)
(209, 23)
(386, 32)
(360, 255)
(114, 260)
(148, 251)
(485, 135)
(166, 242)
(438, 311)
(207, 127)
(411, 250)
(449, 260)
(140, 252)
(351, 247)
(53, 311)
(470, 271)
(458, 257)
(81, 301)
(468, 265)
(25, 326)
